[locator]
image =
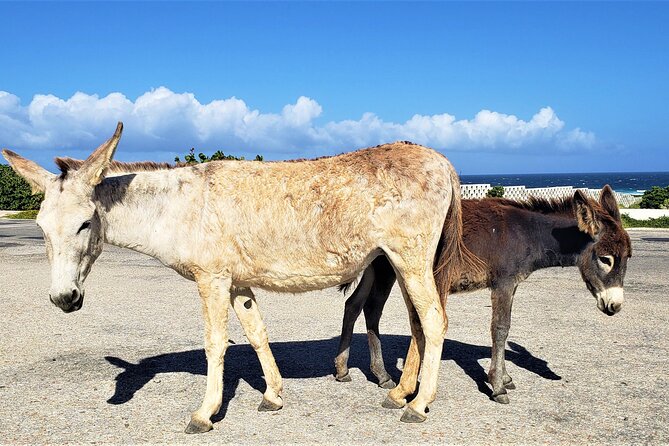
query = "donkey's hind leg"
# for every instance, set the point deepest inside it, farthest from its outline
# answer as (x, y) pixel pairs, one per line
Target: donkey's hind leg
(214, 292)
(396, 398)
(419, 289)
(502, 300)
(352, 309)
(244, 303)
(424, 297)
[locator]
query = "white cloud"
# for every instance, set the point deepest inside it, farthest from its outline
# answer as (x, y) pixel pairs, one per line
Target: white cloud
(161, 120)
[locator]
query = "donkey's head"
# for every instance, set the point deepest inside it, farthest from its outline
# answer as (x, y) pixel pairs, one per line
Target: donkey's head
(603, 263)
(72, 229)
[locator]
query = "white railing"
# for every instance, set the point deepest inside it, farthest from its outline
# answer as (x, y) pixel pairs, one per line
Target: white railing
(523, 193)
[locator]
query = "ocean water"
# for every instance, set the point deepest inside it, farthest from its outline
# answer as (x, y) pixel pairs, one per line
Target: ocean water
(624, 182)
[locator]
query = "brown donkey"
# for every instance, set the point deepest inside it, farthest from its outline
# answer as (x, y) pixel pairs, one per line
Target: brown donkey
(283, 226)
(513, 239)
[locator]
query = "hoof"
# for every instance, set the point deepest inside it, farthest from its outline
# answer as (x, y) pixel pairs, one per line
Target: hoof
(390, 403)
(198, 427)
(510, 385)
(387, 384)
(411, 416)
(268, 406)
(502, 399)
(344, 379)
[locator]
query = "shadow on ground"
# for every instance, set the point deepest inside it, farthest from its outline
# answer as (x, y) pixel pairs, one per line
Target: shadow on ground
(309, 359)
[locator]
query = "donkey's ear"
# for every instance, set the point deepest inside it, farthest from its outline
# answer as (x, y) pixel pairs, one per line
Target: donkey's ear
(585, 215)
(607, 198)
(93, 170)
(36, 176)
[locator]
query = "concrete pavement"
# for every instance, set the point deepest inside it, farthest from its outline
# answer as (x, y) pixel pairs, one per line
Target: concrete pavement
(129, 366)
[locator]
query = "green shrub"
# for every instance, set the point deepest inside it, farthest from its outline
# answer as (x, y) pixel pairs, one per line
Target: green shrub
(24, 215)
(660, 222)
(190, 158)
(15, 193)
(495, 192)
(655, 198)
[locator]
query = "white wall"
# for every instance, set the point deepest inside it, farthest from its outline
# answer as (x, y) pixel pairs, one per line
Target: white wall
(522, 193)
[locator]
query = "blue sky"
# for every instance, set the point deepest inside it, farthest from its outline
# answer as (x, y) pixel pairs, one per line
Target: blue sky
(499, 87)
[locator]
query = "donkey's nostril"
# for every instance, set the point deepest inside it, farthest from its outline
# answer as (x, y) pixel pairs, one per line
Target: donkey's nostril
(75, 296)
(611, 309)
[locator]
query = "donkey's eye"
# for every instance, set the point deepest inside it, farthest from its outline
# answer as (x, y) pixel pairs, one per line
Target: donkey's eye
(86, 225)
(606, 260)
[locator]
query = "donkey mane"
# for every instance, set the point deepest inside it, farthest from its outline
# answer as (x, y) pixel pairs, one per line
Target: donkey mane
(66, 164)
(562, 205)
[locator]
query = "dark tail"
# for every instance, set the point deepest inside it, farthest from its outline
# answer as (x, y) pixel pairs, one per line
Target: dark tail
(452, 257)
(345, 287)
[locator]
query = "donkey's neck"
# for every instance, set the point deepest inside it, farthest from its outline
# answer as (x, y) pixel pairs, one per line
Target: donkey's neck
(143, 212)
(559, 240)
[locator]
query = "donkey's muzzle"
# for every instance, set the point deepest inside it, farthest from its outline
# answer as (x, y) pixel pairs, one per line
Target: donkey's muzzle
(610, 301)
(612, 308)
(68, 302)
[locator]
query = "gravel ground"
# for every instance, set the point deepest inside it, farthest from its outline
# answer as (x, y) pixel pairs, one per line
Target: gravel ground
(129, 367)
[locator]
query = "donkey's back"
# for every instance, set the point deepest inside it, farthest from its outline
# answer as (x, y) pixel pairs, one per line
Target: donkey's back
(333, 214)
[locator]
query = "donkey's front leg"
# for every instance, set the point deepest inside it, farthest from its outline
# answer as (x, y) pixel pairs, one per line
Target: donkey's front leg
(502, 300)
(245, 306)
(383, 284)
(215, 294)
(373, 310)
(352, 309)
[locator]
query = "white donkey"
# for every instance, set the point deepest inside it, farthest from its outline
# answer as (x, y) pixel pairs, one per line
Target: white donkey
(281, 226)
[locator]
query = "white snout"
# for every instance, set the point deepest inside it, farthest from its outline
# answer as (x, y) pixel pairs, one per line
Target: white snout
(610, 300)
(65, 285)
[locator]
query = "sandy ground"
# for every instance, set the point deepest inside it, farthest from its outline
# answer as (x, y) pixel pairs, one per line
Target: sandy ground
(129, 367)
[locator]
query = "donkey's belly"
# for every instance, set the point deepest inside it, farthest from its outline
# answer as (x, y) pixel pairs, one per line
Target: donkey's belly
(294, 284)
(295, 276)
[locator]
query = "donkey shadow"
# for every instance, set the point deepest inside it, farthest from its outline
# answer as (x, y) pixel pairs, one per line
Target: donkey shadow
(309, 359)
